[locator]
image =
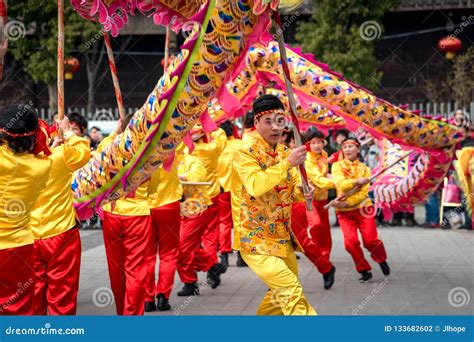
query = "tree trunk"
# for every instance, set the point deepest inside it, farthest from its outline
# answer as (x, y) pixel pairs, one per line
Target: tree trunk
(53, 98)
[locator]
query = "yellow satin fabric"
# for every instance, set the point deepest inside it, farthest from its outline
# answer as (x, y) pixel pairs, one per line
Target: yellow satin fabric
(208, 154)
(136, 204)
(285, 295)
(345, 174)
(317, 170)
(22, 178)
(267, 193)
(53, 212)
(225, 162)
(164, 187)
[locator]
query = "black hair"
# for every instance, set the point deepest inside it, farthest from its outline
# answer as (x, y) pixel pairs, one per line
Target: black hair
(79, 120)
(249, 119)
(18, 119)
(266, 102)
(352, 139)
(343, 132)
(95, 127)
(228, 128)
(310, 134)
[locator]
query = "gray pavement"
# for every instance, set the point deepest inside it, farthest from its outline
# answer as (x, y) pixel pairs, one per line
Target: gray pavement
(432, 274)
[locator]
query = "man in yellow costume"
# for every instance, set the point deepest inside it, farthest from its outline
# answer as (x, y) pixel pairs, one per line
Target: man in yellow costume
(269, 187)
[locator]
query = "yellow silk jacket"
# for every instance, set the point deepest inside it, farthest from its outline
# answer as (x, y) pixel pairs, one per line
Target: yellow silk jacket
(225, 162)
(267, 193)
(22, 178)
(345, 174)
(135, 204)
(53, 212)
(164, 187)
(317, 170)
(208, 154)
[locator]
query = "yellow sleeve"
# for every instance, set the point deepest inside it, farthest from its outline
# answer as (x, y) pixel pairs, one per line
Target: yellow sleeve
(318, 180)
(342, 184)
(362, 194)
(195, 171)
(220, 139)
(105, 142)
(296, 184)
(77, 151)
(255, 180)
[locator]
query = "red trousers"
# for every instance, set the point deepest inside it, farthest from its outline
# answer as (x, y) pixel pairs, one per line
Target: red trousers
(225, 223)
(319, 227)
(17, 275)
(57, 263)
(127, 242)
(165, 239)
(364, 221)
(199, 238)
(299, 226)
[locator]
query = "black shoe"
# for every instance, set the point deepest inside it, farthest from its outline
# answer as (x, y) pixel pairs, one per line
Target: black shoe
(329, 278)
(240, 261)
(366, 276)
(298, 257)
(214, 275)
(189, 290)
(225, 261)
(410, 222)
(385, 268)
(150, 306)
(162, 304)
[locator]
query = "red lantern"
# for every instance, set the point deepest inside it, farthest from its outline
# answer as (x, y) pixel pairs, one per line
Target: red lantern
(450, 45)
(71, 66)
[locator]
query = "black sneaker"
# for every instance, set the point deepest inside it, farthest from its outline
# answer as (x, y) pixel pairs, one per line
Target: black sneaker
(410, 222)
(366, 276)
(214, 275)
(189, 290)
(240, 261)
(150, 306)
(385, 268)
(162, 304)
(329, 278)
(395, 223)
(225, 261)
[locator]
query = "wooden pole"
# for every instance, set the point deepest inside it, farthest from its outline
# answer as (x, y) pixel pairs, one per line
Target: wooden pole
(291, 100)
(113, 71)
(60, 59)
(3, 37)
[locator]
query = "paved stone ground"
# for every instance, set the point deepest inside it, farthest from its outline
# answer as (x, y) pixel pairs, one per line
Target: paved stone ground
(432, 274)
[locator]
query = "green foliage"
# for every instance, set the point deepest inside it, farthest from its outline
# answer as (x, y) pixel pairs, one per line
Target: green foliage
(37, 50)
(333, 35)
